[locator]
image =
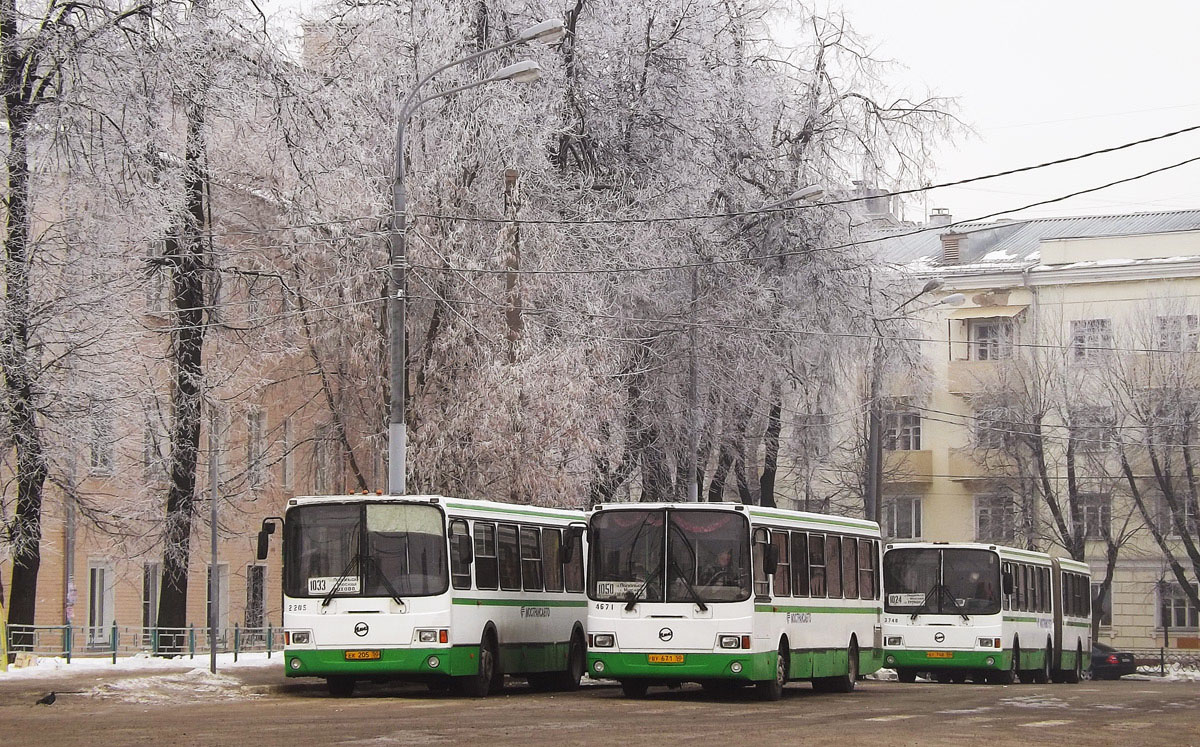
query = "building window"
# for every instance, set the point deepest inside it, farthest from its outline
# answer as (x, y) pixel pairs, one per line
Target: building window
(100, 446)
(1091, 339)
(902, 517)
(995, 519)
(1095, 515)
(1093, 428)
(1178, 333)
(1183, 515)
(1175, 608)
(995, 427)
(100, 604)
(324, 464)
(256, 435)
(991, 339)
(1103, 606)
(902, 431)
(256, 599)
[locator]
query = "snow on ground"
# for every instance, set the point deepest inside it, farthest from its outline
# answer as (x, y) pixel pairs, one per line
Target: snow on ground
(50, 667)
(198, 684)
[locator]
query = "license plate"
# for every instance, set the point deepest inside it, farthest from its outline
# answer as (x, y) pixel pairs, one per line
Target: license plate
(665, 658)
(362, 655)
(939, 654)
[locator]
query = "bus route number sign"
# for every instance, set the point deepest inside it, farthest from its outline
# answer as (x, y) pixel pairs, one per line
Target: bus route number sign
(324, 584)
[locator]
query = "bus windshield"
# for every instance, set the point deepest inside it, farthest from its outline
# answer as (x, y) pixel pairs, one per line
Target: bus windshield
(364, 549)
(941, 581)
(687, 555)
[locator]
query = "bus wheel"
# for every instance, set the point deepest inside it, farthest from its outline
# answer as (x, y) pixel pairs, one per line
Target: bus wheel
(1075, 674)
(634, 688)
(340, 686)
(1042, 675)
(842, 683)
(478, 685)
(906, 675)
(772, 689)
(576, 662)
(1008, 676)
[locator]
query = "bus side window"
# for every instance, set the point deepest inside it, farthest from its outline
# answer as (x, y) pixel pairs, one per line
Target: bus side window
(800, 564)
(460, 570)
(573, 568)
(1047, 602)
(866, 569)
(531, 559)
(1035, 588)
(552, 567)
(1005, 596)
(761, 539)
(1023, 587)
(816, 564)
(510, 557)
(486, 568)
(783, 569)
(850, 567)
(833, 566)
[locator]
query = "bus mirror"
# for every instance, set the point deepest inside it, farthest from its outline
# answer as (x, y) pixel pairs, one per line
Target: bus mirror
(464, 550)
(1006, 582)
(573, 540)
(264, 539)
(770, 559)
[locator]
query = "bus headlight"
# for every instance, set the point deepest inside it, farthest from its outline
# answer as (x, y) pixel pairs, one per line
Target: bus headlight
(433, 662)
(989, 643)
(427, 636)
(598, 666)
(604, 640)
(297, 637)
(893, 640)
(736, 667)
(890, 660)
(729, 641)
(294, 663)
(990, 661)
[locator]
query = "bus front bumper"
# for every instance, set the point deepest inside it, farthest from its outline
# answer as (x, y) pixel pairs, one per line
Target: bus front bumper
(946, 659)
(453, 661)
(695, 666)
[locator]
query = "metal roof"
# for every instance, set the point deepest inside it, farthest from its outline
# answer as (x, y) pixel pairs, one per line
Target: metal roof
(1016, 242)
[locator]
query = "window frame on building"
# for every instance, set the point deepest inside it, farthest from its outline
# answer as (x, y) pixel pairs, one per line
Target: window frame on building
(1091, 339)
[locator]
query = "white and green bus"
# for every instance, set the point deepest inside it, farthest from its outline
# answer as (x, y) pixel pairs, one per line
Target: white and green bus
(955, 611)
(444, 590)
(727, 595)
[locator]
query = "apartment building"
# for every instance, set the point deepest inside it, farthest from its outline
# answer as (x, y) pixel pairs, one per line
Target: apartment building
(1061, 392)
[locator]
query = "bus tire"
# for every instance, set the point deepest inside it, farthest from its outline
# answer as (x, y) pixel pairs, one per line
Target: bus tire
(340, 686)
(634, 688)
(772, 689)
(478, 685)
(906, 675)
(1075, 673)
(1042, 675)
(1008, 676)
(842, 683)
(568, 680)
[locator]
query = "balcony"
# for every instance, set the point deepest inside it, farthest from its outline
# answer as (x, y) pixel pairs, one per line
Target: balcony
(968, 377)
(970, 463)
(906, 467)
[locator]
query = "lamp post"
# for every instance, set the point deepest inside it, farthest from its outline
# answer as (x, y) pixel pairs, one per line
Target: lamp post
(874, 481)
(808, 192)
(525, 71)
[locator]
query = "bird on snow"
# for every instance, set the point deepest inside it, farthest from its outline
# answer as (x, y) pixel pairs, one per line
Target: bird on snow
(47, 699)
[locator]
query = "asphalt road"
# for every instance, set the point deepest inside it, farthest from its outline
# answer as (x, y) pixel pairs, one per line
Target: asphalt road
(260, 707)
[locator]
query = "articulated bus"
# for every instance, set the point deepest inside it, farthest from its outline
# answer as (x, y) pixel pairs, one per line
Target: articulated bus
(449, 591)
(966, 610)
(729, 595)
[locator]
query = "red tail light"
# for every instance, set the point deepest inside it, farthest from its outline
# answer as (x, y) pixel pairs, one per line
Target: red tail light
(1112, 659)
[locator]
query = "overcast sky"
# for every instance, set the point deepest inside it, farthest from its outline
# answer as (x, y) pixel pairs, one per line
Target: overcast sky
(1044, 79)
(1040, 80)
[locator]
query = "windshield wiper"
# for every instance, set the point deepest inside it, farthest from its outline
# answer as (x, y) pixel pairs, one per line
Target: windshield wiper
(388, 584)
(936, 592)
(338, 582)
(633, 597)
(954, 602)
(675, 564)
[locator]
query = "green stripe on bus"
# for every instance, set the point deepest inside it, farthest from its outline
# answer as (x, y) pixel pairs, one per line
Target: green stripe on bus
(826, 610)
(522, 512)
(1020, 619)
(519, 602)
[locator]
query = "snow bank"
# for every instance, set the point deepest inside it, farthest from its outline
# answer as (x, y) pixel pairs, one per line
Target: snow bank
(50, 667)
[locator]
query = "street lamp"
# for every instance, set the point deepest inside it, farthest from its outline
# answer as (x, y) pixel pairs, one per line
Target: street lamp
(525, 71)
(874, 486)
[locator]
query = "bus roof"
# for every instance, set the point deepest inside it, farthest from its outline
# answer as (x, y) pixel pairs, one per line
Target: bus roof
(755, 512)
(465, 504)
(1011, 553)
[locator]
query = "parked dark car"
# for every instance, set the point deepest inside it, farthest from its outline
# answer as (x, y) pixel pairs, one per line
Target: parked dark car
(1109, 663)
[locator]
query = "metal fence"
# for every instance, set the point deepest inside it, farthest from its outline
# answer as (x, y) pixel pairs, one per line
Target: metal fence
(67, 641)
(1160, 661)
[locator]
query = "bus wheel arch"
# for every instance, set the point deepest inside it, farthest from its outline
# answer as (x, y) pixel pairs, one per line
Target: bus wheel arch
(483, 682)
(1073, 675)
(569, 678)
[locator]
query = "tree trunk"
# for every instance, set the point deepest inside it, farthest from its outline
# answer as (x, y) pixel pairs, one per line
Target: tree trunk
(185, 252)
(766, 483)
